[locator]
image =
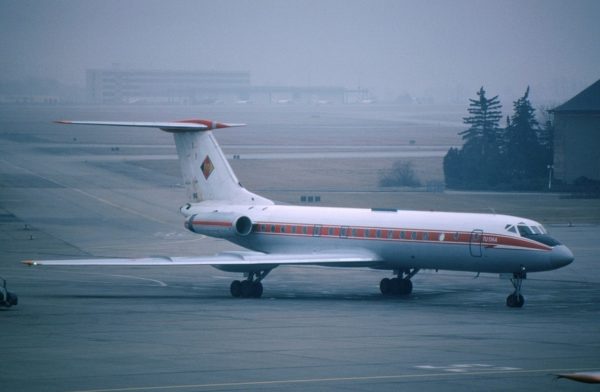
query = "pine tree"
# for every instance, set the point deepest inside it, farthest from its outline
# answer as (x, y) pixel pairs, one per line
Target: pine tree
(453, 169)
(483, 123)
(479, 157)
(525, 155)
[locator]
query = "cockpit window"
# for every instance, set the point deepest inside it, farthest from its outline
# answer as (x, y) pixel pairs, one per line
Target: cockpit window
(537, 233)
(525, 230)
(511, 228)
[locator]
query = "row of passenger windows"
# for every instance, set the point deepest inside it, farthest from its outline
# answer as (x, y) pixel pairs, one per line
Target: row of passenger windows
(355, 232)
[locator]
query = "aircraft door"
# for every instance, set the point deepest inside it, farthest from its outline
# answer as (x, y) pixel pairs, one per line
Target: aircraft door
(475, 243)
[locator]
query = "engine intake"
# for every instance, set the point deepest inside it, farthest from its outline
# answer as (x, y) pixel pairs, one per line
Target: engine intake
(219, 224)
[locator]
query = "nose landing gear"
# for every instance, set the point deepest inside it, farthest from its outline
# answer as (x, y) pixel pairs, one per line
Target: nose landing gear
(516, 300)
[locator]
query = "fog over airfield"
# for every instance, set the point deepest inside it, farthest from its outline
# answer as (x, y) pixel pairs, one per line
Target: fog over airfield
(440, 49)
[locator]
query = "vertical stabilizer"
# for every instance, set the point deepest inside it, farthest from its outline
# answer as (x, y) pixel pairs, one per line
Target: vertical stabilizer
(206, 173)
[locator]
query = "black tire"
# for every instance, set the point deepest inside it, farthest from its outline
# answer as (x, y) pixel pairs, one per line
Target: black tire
(395, 285)
(520, 301)
(257, 289)
(385, 286)
(236, 289)
(514, 301)
(247, 289)
(405, 286)
(13, 300)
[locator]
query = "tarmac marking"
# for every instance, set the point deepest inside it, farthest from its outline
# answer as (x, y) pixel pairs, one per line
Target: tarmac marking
(333, 379)
(90, 195)
(466, 367)
(159, 282)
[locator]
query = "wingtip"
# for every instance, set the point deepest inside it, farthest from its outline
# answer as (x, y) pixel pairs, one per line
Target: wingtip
(232, 125)
(29, 263)
(62, 122)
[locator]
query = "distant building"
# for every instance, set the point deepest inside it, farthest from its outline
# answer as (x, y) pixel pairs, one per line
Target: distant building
(115, 85)
(577, 136)
(142, 86)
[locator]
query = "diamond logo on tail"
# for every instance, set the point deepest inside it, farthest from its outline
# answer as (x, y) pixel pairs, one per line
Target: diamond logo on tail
(207, 167)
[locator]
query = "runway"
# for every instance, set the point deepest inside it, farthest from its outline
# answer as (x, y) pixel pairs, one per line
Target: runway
(315, 329)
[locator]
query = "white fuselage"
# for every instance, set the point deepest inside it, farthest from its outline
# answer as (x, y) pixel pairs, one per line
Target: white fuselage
(401, 239)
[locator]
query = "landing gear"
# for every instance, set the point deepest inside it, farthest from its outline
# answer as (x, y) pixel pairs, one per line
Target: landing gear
(402, 285)
(250, 287)
(516, 300)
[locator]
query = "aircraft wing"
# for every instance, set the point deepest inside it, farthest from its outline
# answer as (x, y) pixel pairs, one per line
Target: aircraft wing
(232, 259)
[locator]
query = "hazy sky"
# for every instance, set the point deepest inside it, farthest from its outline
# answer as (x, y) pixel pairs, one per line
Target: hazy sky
(445, 49)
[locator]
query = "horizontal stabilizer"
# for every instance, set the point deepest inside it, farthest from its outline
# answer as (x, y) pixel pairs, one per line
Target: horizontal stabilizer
(172, 126)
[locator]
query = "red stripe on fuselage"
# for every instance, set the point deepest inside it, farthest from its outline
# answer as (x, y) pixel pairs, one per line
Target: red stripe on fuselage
(487, 240)
(212, 223)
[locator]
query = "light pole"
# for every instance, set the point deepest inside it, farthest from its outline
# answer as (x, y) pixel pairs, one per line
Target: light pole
(550, 168)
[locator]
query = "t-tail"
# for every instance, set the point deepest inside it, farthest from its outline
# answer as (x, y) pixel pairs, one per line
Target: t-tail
(206, 173)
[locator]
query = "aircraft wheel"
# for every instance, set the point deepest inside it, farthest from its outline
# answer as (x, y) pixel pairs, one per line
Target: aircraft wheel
(395, 283)
(405, 286)
(515, 301)
(13, 299)
(247, 289)
(257, 289)
(385, 286)
(236, 289)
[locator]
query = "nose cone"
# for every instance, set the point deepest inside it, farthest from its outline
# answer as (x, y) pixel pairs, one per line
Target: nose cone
(561, 256)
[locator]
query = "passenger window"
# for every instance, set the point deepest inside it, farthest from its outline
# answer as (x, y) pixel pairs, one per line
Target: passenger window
(426, 236)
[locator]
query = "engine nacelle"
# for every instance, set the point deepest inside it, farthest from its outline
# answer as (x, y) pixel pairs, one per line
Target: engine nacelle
(219, 224)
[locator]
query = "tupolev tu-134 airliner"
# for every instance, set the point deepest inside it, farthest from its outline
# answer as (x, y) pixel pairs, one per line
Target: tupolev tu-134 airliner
(403, 242)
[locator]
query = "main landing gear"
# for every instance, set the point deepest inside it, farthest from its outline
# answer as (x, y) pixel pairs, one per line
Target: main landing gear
(516, 300)
(250, 287)
(401, 285)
